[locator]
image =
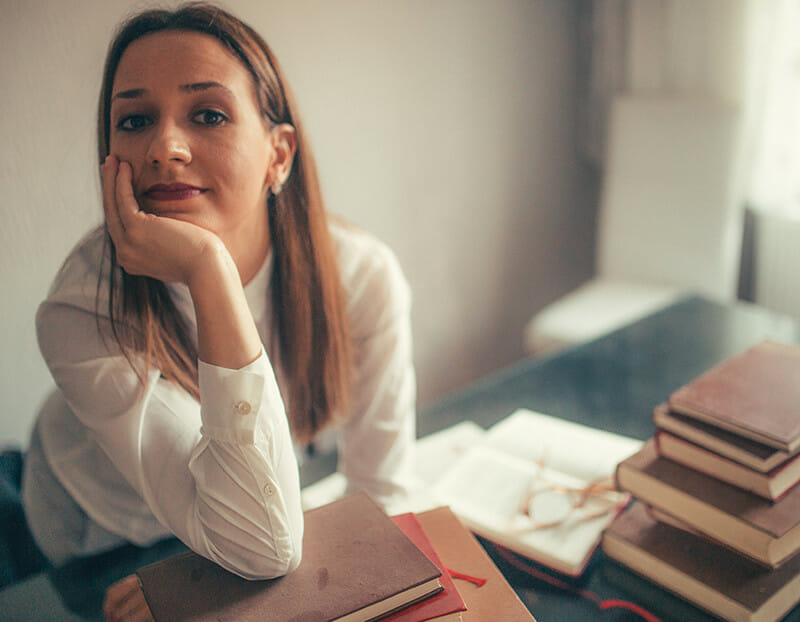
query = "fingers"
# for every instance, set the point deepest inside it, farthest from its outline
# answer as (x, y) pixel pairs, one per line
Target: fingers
(119, 203)
(109, 172)
(118, 593)
(125, 601)
(127, 206)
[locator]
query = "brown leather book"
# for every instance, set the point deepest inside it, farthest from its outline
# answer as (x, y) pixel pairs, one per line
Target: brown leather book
(764, 530)
(755, 394)
(701, 571)
(357, 566)
(746, 451)
(461, 552)
(771, 485)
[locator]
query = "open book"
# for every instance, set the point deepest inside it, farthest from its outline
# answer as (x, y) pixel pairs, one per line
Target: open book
(520, 483)
(486, 477)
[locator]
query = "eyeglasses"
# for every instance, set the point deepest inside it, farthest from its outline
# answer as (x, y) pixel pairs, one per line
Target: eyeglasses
(548, 504)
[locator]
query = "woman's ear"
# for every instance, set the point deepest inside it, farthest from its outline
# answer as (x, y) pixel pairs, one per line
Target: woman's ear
(284, 145)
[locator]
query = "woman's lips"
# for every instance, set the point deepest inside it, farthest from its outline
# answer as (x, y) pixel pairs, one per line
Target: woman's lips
(172, 192)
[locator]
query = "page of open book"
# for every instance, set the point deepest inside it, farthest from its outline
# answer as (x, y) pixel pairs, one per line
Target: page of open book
(487, 477)
(578, 450)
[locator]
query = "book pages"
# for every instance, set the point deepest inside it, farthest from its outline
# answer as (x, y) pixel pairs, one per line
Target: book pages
(519, 484)
(578, 450)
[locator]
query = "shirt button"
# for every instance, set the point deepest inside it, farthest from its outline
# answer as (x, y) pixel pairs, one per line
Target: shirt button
(243, 407)
(269, 489)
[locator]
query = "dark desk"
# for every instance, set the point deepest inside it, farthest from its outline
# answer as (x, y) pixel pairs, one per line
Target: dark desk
(611, 383)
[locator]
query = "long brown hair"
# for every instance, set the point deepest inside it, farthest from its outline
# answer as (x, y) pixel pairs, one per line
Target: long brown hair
(307, 298)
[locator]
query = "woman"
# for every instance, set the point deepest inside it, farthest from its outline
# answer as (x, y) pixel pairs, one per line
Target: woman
(217, 318)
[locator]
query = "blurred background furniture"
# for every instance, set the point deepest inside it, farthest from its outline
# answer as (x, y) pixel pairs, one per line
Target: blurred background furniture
(668, 223)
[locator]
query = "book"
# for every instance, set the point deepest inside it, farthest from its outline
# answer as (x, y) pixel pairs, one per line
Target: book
(460, 551)
(447, 605)
(357, 566)
(764, 530)
(489, 484)
(754, 394)
(771, 485)
(701, 571)
(746, 451)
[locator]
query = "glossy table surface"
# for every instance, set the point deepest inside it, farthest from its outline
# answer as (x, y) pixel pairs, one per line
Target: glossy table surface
(611, 383)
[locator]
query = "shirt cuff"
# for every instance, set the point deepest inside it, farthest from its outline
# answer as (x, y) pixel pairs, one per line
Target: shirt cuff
(232, 399)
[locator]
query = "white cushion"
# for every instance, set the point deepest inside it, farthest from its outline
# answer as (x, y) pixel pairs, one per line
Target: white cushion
(595, 308)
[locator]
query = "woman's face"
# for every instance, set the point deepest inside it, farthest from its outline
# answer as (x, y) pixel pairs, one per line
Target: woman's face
(184, 115)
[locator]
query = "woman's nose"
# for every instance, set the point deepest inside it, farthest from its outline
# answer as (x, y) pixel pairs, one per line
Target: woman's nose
(169, 144)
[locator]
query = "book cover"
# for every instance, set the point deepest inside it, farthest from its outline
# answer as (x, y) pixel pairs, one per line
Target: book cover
(461, 552)
(491, 485)
(770, 485)
(447, 605)
(746, 451)
(755, 394)
(357, 566)
(700, 571)
(765, 530)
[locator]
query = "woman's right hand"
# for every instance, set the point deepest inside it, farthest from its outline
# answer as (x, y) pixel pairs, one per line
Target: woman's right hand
(174, 250)
(163, 248)
(125, 602)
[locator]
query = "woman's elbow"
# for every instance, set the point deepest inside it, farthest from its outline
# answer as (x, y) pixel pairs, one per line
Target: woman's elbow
(262, 562)
(274, 567)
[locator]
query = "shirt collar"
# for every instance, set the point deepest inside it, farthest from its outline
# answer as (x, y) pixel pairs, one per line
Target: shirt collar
(257, 290)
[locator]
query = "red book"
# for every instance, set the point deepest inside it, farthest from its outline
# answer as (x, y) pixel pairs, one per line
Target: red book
(445, 606)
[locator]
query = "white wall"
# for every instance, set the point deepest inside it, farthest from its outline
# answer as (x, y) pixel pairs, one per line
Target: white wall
(447, 128)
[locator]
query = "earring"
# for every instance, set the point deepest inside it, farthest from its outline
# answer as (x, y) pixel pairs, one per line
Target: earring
(276, 189)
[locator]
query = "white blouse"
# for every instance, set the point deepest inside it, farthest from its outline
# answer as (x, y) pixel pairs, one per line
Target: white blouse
(221, 474)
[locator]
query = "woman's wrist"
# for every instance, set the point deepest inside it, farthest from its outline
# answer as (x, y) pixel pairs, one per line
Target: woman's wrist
(213, 262)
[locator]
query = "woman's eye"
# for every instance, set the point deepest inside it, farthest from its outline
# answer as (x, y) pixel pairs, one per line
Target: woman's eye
(133, 122)
(209, 117)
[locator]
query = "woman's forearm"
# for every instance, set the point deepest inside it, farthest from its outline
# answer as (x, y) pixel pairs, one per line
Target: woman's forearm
(226, 333)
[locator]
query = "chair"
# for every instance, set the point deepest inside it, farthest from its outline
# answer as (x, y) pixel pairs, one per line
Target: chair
(668, 223)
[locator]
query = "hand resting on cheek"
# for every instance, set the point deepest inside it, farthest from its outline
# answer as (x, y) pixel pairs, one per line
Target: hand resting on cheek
(163, 248)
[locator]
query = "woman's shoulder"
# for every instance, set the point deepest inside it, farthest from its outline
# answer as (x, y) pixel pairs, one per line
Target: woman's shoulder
(85, 267)
(374, 285)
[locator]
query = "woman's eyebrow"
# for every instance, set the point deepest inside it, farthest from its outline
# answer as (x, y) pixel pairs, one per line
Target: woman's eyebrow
(189, 88)
(129, 94)
(204, 86)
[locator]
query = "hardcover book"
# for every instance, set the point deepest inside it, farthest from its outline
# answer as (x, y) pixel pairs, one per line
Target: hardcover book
(746, 451)
(460, 551)
(701, 571)
(766, 531)
(770, 485)
(357, 566)
(754, 394)
(447, 605)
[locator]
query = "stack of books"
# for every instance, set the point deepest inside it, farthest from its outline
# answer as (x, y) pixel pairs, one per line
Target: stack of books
(717, 516)
(358, 565)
